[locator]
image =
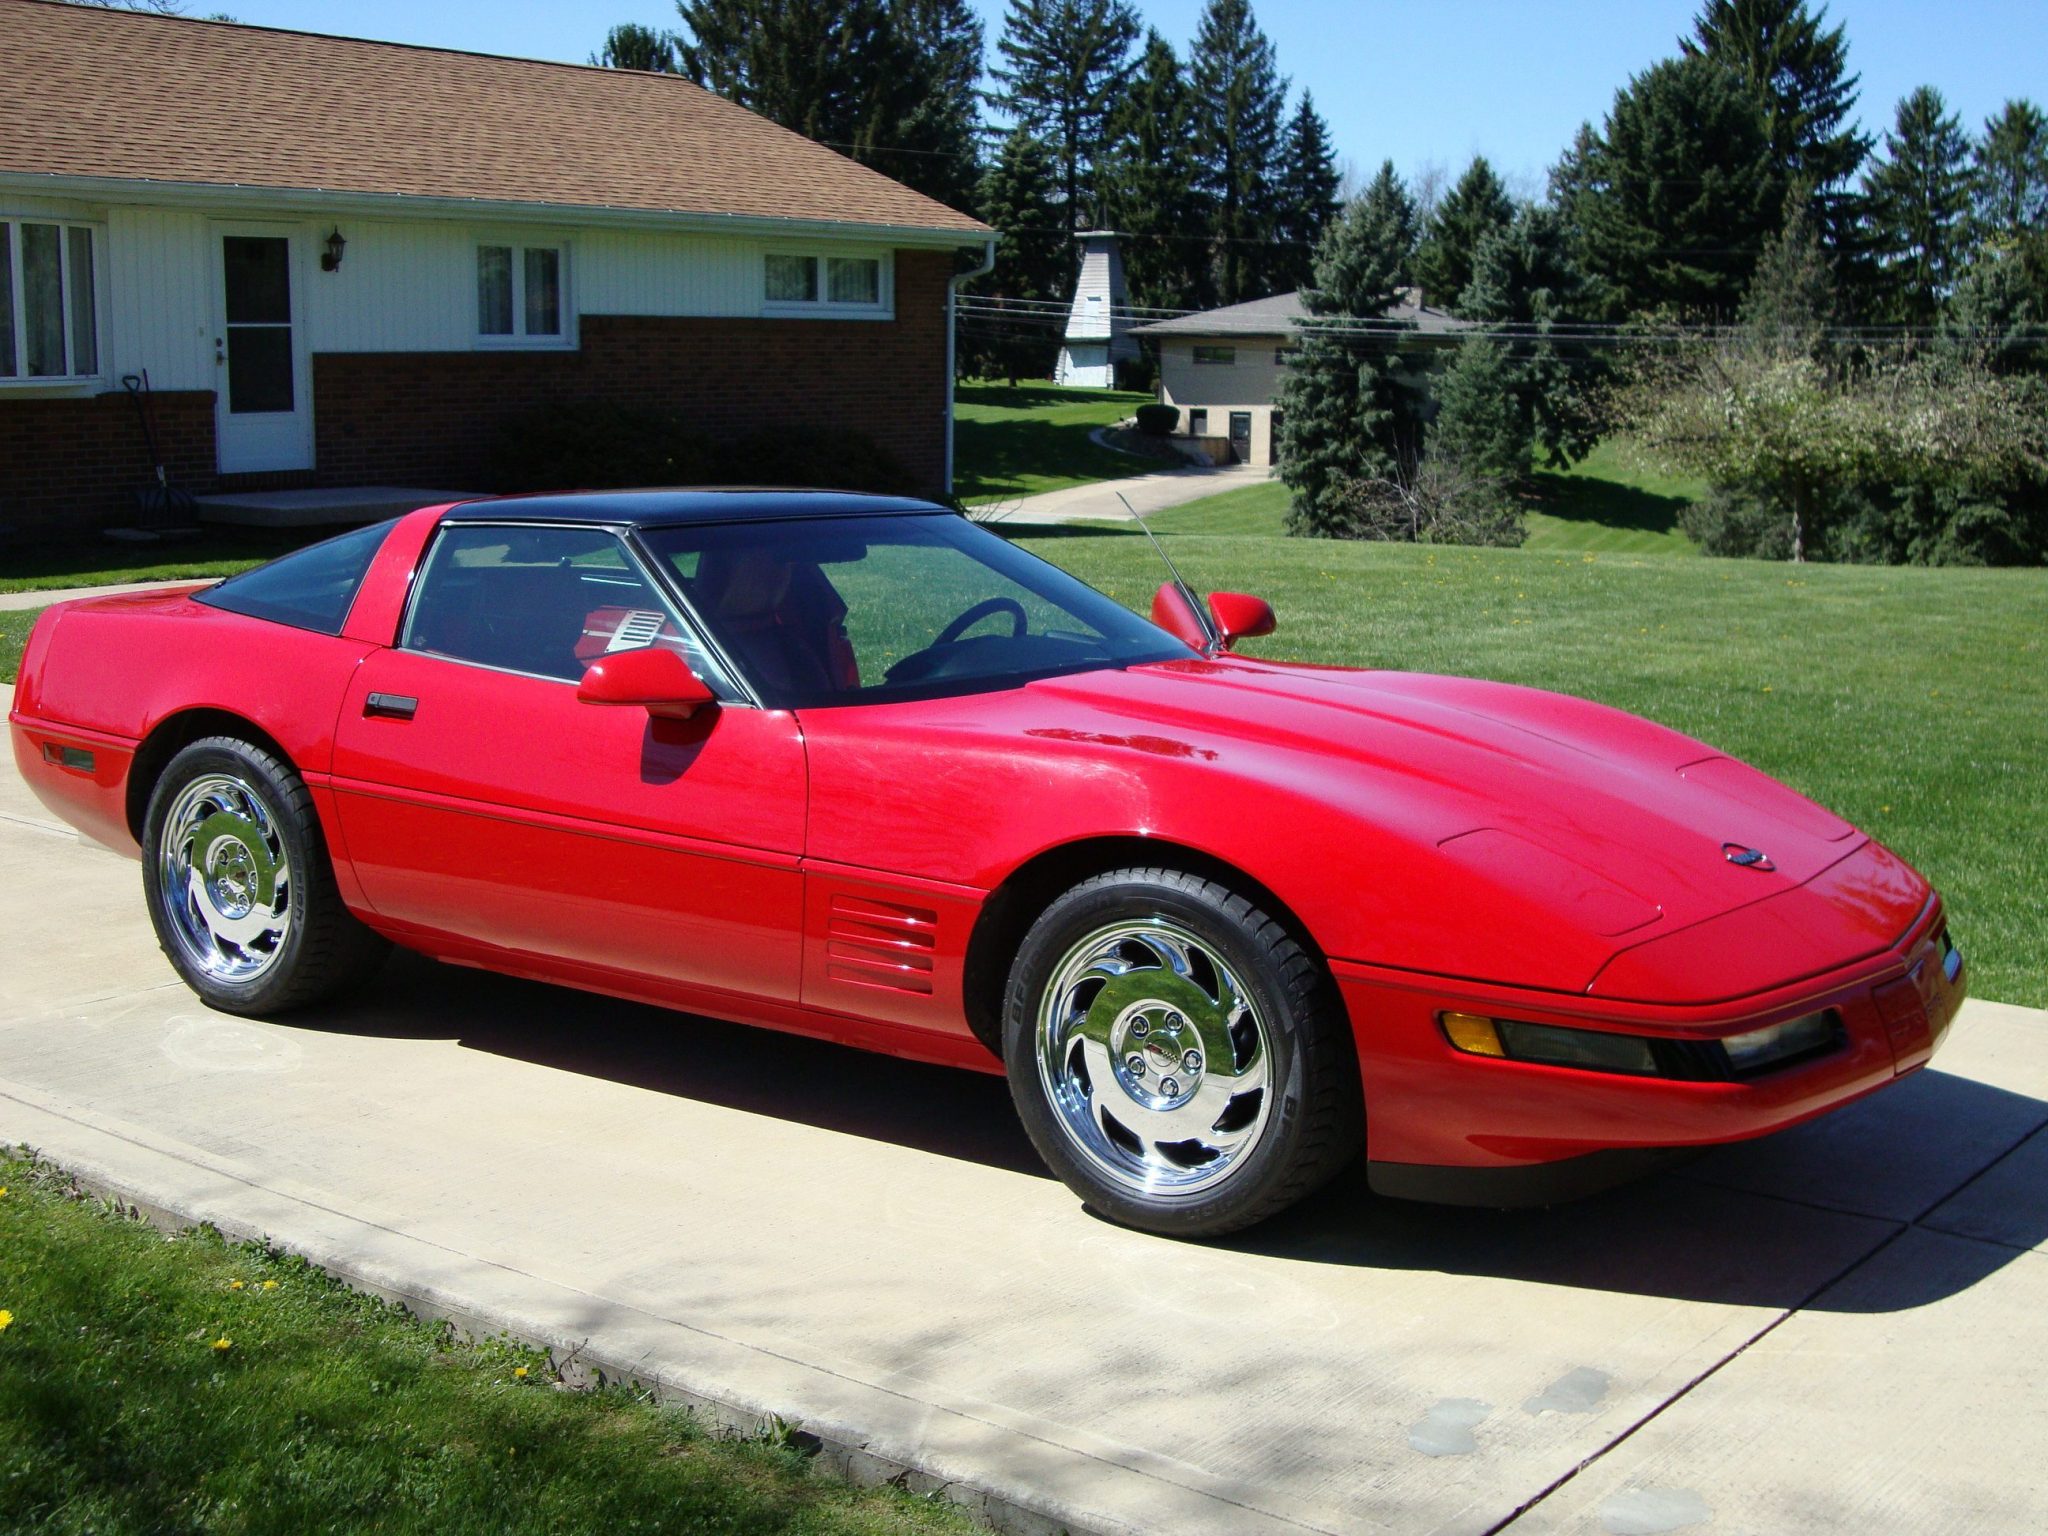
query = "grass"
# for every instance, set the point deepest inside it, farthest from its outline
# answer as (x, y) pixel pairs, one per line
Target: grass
(99, 562)
(1912, 701)
(1013, 442)
(1611, 503)
(122, 1411)
(14, 627)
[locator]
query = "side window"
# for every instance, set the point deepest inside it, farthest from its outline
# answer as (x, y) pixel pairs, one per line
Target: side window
(543, 601)
(310, 588)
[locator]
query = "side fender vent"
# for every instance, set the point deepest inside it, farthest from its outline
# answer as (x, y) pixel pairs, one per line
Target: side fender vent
(880, 944)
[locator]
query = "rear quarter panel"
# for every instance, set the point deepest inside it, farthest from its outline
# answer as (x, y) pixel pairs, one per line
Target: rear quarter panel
(104, 674)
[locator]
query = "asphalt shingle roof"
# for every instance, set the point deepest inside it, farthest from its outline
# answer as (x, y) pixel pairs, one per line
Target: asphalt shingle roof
(112, 93)
(1278, 316)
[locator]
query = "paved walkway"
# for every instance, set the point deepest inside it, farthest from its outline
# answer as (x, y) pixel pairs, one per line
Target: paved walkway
(15, 601)
(1842, 1329)
(1149, 493)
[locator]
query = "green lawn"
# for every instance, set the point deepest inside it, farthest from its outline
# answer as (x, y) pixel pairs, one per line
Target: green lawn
(101, 562)
(1009, 443)
(1913, 701)
(192, 1387)
(14, 628)
(1611, 502)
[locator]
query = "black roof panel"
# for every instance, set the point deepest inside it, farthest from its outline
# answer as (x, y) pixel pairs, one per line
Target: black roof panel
(654, 508)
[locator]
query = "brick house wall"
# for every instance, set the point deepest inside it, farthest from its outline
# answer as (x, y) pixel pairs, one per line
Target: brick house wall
(78, 462)
(431, 418)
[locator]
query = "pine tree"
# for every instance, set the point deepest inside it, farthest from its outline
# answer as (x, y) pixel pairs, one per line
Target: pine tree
(888, 82)
(1343, 419)
(1675, 196)
(1915, 203)
(1238, 99)
(1478, 426)
(1146, 185)
(1473, 209)
(939, 96)
(633, 46)
(1793, 297)
(1798, 70)
(1019, 199)
(1524, 278)
(1307, 194)
(1067, 63)
(2010, 178)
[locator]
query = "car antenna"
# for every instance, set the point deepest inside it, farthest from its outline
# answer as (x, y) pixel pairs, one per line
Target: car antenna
(1186, 591)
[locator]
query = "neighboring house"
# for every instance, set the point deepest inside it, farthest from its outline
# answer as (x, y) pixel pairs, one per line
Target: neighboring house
(345, 262)
(1098, 333)
(1224, 367)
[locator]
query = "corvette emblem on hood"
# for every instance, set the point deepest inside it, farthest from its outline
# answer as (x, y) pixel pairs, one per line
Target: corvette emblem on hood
(1748, 858)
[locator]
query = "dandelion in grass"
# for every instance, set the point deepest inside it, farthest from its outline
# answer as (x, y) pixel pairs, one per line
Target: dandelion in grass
(234, 1285)
(270, 1285)
(6, 1320)
(519, 1372)
(223, 1344)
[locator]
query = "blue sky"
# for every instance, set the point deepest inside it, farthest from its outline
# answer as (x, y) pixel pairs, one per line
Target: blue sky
(1420, 83)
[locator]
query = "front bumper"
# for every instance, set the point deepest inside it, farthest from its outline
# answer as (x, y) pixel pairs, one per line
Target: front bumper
(1432, 1110)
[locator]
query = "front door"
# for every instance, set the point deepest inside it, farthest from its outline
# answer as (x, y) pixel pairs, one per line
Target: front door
(263, 410)
(1241, 436)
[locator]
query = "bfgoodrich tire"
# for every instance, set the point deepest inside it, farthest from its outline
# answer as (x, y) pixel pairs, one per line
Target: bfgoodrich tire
(1177, 1057)
(239, 885)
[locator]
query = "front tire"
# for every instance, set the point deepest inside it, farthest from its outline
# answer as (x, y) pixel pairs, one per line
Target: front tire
(239, 886)
(1177, 1057)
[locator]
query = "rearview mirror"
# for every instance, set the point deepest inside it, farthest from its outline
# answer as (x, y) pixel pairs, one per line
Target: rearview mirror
(654, 678)
(1172, 612)
(1240, 616)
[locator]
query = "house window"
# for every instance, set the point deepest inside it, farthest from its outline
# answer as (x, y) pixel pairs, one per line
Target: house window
(835, 284)
(520, 293)
(1223, 355)
(49, 302)
(1198, 423)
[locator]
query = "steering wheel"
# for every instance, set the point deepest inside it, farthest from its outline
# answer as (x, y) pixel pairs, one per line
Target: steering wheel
(980, 611)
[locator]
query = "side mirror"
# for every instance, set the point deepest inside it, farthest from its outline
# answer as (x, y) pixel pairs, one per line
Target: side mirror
(1240, 616)
(654, 678)
(1172, 612)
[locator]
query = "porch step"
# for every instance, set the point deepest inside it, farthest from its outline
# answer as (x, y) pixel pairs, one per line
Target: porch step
(316, 508)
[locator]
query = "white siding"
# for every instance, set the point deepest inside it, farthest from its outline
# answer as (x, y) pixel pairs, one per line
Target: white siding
(159, 297)
(404, 285)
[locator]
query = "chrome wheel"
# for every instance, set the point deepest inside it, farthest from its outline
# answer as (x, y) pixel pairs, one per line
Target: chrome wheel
(225, 879)
(1153, 1058)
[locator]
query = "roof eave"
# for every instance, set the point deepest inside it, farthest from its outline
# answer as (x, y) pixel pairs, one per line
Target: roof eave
(323, 201)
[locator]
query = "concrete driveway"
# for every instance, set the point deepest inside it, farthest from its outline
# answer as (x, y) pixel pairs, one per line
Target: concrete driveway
(1843, 1329)
(1148, 493)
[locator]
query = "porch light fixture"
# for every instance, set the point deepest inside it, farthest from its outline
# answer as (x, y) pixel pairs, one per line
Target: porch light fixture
(331, 262)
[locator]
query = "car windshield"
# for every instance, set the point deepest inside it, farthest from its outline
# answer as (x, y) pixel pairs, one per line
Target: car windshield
(858, 610)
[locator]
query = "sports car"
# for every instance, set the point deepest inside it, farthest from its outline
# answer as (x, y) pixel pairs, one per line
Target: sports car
(857, 767)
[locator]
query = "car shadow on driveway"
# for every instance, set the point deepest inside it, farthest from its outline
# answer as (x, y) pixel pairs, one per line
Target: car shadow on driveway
(1770, 1223)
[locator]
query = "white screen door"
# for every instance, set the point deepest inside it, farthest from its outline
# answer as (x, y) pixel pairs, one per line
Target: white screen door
(264, 416)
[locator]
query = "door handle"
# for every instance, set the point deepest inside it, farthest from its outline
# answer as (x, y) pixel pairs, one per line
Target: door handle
(389, 706)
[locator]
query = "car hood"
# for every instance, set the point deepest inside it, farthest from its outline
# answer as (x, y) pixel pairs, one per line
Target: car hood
(1550, 810)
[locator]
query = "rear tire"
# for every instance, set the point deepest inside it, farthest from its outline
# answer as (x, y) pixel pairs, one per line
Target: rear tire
(239, 885)
(1178, 1058)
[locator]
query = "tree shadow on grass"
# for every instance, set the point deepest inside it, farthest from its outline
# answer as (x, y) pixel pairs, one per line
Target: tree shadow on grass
(1605, 503)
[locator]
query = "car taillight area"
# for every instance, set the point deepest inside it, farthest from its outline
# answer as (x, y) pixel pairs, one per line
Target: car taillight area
(1539, 1077)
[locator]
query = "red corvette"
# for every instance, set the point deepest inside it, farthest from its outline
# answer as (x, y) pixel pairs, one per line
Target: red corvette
(856, 767)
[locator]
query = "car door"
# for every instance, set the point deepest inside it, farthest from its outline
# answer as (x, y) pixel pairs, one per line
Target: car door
(480, 800)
